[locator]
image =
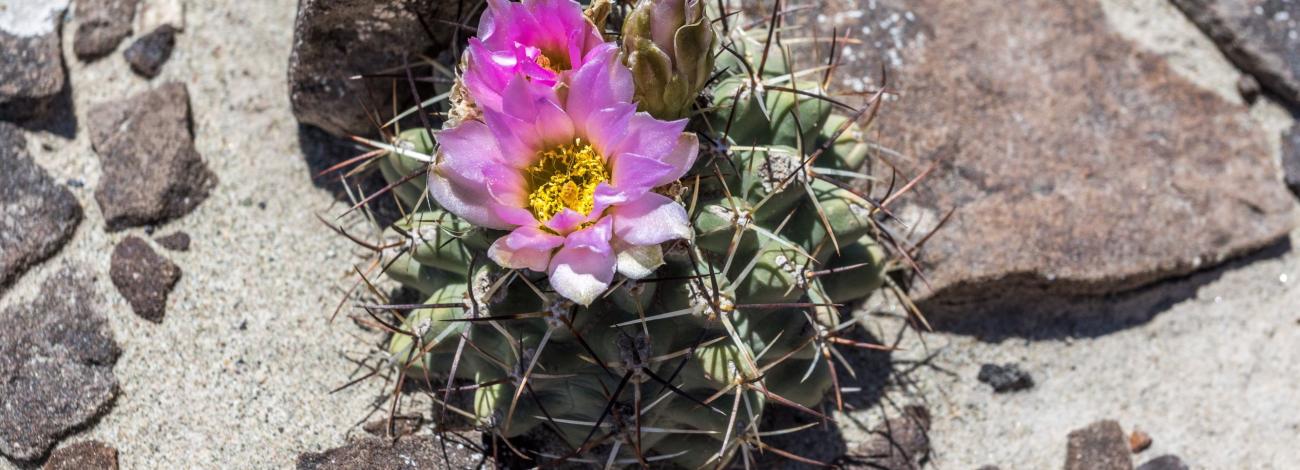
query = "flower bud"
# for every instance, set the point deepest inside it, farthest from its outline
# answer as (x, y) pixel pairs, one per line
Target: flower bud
(669, 47)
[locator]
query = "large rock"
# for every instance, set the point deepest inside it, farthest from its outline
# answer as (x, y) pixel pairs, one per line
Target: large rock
(338, 39)
(377, 453)
(56, 365)
(101, 26)
(37, 214)
(143, 277)
(151, 171)
(1078, 164)
(1100, 446)
(1260, 36)
(32, 74)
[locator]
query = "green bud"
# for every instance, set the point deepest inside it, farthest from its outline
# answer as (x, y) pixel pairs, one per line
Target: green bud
(668, 44)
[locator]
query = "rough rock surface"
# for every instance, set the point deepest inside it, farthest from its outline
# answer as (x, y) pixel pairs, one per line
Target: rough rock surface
(901, 443)
(56, 365)
(1005, 377)
(1260, 36)
(32, 73)
(143, 277)
(1077, 162)
(1100, 446)
(101, 26)
(151, 170)
(337, 39)
(1291, 158)
(37, 214)
(1164, 462)
(148, 54)
(179, 241)
(84, 455)
(379, 454)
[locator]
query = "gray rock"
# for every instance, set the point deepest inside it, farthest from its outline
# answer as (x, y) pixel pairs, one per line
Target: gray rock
(378, 453)
(179, 241)
(32, 74)
(901, 443)
(1291, 158)
(1078, 163)
(84, 455)
(148, 54)
(56, 365)
(37, 214)
(143, 277)
(101, 26)
(1164, 462)
(338, 39)
(1100, 446)
(151, 171)
(1005, 377)
(1261, 36)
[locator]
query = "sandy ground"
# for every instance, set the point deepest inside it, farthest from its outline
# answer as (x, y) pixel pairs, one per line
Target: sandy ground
(239, 373)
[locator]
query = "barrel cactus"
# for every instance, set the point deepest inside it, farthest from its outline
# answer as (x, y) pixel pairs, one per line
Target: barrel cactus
(637, 279)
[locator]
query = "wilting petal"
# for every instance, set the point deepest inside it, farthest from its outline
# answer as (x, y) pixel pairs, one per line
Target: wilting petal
(638, 262)
(581, 274)
(525, 248)
(650, 220)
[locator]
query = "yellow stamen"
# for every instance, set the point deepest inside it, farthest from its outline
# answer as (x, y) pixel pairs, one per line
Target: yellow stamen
(564, 177)
(557, 62)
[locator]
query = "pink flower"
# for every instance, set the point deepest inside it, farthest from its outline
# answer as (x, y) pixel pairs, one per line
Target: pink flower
(571, 173)
(540, 39)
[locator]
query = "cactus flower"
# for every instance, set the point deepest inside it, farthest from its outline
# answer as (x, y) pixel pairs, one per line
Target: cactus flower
(541, 39)
(669, 46)
(571, 175)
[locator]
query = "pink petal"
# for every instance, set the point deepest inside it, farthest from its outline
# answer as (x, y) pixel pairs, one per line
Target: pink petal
(553, 125)
(609, 126)
(636, 174)
(525, 248)
(650, 220)
(565, 221)
(506, 185)
(596, 237)
(602, 82)
(457, 182)
(465, 203)
(681, 157)
(651, 137)
(581, 274)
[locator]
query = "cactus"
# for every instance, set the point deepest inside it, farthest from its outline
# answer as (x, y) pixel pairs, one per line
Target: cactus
(678, 366)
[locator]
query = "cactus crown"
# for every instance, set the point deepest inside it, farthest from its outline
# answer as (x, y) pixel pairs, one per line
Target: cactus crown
(678, 365)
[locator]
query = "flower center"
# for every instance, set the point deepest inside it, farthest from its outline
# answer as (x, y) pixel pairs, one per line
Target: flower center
(565, 177)
(554, 61)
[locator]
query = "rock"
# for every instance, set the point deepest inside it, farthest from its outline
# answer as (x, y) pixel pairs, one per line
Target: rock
(1261, 37)
(1078, 163)
(37, 215)
(403, 425)
(338, 39)
(148, 54)
(179, 241)
(1138, 441)
(382, 454)
(84, 455)
(901, 443)
(56, 365)
(1100, 446)
(1291, 158)
(1164, 462)
(101, 26)
(32, 74)
(1005, 378)
(1248, 87)
(143, 277)
(151, 171)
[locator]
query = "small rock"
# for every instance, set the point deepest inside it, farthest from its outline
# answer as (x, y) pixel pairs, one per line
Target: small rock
(1138, 441)
(151, 171)
(901, 443)
(101, 26)
(143, 277)
(32, 73)
(1164, 462)
(1005, 378)
(179, 241)
(1100, 446)
(37, 215)
(1248, 87)
(1291, 158)
(148, 54)
(1259, 36)
(379, 453)
(84, 455)
(56, 365)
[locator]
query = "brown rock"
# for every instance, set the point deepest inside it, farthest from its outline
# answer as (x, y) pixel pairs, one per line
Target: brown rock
(375, 453)
(1291, 158)
(1260, 36)
(1077, 163)
(37, 215)
(179, 241)
(101, 26)
(56, 365)
(1164, 462)
(32, 74)
(1138, 441)
(1100, 446)
(338, 39)
(151, 171)
(901, 443)
(84, 455)
(143, 277)
(148, 54)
